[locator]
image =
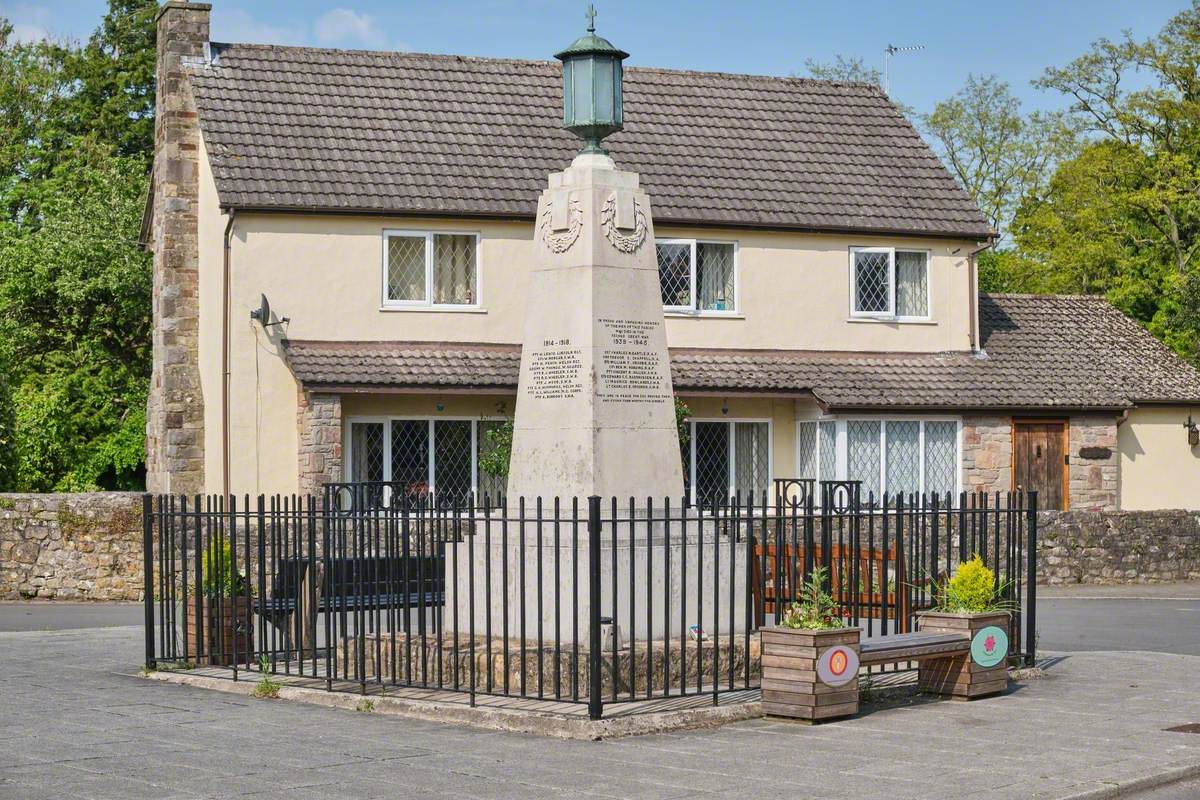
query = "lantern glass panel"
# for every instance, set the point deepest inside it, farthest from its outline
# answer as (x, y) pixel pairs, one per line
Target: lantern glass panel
(603, 102)
(581, 79)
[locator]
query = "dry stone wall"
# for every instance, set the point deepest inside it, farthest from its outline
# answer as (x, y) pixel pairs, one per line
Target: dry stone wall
(71, 546)
(1118, 547)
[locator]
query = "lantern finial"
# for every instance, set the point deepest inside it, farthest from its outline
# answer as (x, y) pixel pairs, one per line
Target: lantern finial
(592, 75)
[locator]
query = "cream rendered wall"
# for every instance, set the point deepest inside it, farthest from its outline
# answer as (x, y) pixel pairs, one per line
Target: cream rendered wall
(324, 272)
(780, 411)
(1158, 468)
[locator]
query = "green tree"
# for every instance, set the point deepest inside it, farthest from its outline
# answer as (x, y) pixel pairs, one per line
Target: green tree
(996, 153)
(74, 308)
(1122, 218)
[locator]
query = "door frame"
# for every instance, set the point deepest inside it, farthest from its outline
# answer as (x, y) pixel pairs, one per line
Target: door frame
(1066, 447)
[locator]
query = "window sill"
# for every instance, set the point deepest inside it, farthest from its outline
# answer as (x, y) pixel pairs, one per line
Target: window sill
(436, 309)
(893, 320)
(703, 315)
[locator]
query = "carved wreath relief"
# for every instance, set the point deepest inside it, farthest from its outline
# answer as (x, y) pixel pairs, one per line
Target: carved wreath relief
(625, 242)
(559, 240)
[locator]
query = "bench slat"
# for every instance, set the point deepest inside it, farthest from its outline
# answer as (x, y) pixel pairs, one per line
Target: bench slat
(912, 647)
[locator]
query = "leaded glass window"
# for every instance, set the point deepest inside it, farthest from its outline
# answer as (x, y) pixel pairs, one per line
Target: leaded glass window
(675, 273)
(806, 450)
(751, 460)
(828, 453)
(941, 457)
(427, 268)
(862, 455)
(697, 276)
(912, 284)
(452, 461)
(366, 442)
(727, 458)
(873, 283)
(410, 457)
(903, 456)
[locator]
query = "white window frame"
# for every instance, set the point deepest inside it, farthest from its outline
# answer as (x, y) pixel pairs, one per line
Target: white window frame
(427, 303)
(694, 310)
(842, 445)
(890, 314)
(730, 457)
(348, 439)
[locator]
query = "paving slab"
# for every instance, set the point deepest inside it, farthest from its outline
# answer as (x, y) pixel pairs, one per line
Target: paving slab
(76, 721)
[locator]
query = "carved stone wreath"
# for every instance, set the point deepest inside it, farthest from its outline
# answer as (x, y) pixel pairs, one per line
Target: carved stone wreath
(561, 242)
(625, 242)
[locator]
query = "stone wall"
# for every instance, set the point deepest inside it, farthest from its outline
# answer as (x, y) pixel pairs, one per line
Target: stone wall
(175, 407)
(1118, 547)
(987, 454)
(71, 546)
(319, 419)
(1095, 463)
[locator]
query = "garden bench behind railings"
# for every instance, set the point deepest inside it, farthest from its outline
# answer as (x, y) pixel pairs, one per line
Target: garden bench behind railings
(365, 583)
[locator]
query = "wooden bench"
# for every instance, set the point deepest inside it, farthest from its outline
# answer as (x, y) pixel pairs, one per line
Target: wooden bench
(942, 649)
(813, 675)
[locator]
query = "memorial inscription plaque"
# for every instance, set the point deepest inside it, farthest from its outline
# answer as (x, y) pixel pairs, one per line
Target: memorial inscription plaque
(630, 369)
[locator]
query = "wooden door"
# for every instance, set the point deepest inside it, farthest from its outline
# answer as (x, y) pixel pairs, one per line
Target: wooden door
(1039, 460)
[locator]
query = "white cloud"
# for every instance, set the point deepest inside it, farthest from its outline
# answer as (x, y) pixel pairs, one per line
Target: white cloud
(236, 25)
(344, 26)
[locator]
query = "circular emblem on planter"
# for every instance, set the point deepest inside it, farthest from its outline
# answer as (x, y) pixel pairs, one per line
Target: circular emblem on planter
(990, 646)
(837, 666)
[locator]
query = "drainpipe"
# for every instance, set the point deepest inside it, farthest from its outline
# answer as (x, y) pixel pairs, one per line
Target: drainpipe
(973, 291)
(225, 290)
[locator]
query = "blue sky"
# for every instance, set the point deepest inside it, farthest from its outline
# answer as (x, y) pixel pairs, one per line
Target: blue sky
(1014, 39)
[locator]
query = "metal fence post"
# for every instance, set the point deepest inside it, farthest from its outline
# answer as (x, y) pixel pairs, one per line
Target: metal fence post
(1031, 582)
(148, 575)
(595, 701)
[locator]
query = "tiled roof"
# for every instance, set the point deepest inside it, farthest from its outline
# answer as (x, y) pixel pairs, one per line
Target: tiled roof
(312, 129)
(1048, 351)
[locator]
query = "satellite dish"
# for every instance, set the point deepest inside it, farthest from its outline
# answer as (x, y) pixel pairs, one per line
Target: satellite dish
(263, 313)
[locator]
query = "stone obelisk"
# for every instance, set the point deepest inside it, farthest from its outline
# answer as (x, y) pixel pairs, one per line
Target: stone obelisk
(595, 408)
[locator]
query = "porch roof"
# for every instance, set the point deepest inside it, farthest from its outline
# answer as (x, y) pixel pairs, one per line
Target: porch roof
(1039, 352)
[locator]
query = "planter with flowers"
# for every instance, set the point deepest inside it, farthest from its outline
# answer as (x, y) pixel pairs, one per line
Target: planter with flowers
(222, 629)
(973, 605)
(810, 660)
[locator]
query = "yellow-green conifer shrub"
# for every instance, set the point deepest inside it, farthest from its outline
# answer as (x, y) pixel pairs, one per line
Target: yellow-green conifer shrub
(972, 589)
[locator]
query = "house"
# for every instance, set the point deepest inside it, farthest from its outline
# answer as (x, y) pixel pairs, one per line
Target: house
(817, 270)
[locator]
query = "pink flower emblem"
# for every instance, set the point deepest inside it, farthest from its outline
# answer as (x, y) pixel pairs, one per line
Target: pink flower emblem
(989, 644)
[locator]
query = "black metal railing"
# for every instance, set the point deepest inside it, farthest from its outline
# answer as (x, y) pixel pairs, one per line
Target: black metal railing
(584, 601)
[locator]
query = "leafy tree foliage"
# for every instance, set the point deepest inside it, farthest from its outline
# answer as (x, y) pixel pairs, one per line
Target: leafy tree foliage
(76, 136)
(997, 154)
(1122, 218)
(843, 68)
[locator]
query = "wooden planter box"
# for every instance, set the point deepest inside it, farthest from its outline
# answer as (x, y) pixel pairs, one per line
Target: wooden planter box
(214, 645)
(810, 675)
(983, 671)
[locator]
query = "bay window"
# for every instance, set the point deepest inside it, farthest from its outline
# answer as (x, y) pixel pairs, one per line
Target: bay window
(889, 455)
(696, 276)
(888, 283)
(430, 268)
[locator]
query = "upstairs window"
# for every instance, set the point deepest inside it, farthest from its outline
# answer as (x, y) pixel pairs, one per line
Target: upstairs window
(887, 283)
(697, 277)
(424, 268)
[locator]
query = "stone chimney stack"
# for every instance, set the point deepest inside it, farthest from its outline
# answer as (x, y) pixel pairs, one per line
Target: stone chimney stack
(175, 409)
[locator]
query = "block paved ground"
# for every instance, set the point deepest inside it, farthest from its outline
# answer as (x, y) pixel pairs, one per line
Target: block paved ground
(75, 722)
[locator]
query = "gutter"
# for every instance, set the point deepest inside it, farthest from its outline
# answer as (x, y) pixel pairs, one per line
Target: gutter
(225, 301)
